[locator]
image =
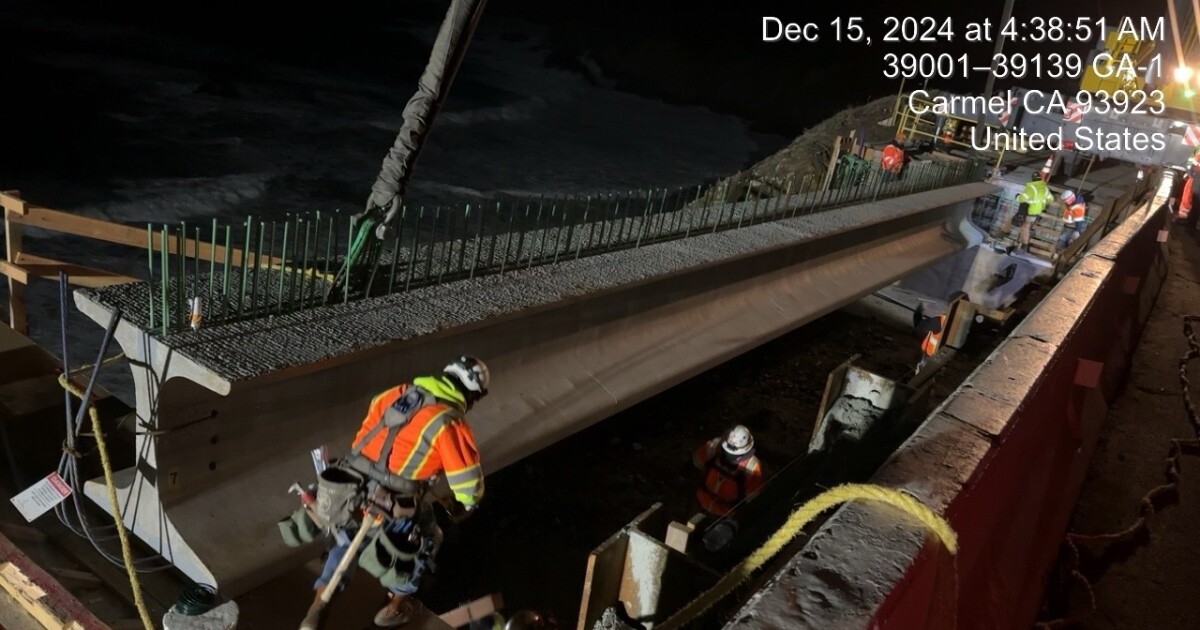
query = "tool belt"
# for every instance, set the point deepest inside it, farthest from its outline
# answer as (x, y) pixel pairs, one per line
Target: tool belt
(385, 478)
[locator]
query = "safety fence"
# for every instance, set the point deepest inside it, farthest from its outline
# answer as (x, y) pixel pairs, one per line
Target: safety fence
(287, 265)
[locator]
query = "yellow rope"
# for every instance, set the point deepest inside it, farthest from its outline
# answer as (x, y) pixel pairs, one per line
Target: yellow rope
(88, 368)
(126, 552)
(795, 524)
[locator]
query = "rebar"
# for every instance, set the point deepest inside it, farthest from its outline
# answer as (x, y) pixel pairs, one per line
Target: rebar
(150, 272)
(166, 279)
(558, 228)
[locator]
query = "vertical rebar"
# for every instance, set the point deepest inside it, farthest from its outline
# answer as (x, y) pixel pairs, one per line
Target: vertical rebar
(180, 305)
(241, 306)
(212, 263)
(512, 217)
(166, 279)
(412, 255)
(225, 274)
(150, 272)
(330, 237)
(305, 273)
(462, 248)
(282, 264)
(647, 217)
(258, 254)
(495, 234)
(602, 223)
(196, 275)
(449, 243)
(479, 241)
(521, 237)
(396, 249)
(569, 226)
(437, 214)
(538, 234)
(587, 206)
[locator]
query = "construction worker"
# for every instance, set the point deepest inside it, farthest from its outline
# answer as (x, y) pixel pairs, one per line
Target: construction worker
(731, 470)
(892, 160)
(426, 436)
(1033, 200)
(930, 330)
(1074, 218)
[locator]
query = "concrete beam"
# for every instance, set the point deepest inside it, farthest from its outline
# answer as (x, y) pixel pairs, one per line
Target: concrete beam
(236, 408)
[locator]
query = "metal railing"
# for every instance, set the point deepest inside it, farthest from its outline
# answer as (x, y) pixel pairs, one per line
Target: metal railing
(289, 265)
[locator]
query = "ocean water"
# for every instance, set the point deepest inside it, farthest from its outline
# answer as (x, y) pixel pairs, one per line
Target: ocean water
(134, 125)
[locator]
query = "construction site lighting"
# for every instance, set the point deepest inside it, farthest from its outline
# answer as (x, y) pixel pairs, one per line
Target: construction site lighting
(1183, 74)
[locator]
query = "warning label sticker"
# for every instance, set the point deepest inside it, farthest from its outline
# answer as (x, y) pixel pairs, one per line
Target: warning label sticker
(39, 498)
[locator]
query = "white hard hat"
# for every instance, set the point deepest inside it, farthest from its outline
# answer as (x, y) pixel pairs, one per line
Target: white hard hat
(1068, 196)
(738, 441)
(471, 372)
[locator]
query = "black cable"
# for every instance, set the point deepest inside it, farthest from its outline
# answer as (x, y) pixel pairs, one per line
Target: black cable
(196, 599)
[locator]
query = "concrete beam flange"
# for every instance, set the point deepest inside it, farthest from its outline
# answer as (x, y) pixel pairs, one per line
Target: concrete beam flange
(238, 407)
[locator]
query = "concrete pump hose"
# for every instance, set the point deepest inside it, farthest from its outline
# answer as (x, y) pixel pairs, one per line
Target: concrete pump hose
(110, 485)
(795, 524)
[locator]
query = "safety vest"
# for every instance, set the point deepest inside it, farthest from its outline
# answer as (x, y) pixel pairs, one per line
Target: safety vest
(725, 482)
(1074, 212)
(1037, 195)
(893, 158)
(1185, 201)
(933, 340)
(435, 439)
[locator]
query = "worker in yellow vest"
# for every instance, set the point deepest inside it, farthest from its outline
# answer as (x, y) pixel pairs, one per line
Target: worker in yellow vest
(1074, 217)
(1032, 200)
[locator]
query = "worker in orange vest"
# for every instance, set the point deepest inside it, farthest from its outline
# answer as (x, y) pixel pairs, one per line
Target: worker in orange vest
(1185, 197)
(731, 470)
(892, 160)
(930, 329)
(1074, 217)
(412, 434)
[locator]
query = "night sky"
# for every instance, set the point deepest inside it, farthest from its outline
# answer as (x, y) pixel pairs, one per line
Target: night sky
(701, 52)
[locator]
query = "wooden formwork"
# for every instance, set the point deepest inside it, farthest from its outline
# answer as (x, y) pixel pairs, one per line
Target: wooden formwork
(21, 267)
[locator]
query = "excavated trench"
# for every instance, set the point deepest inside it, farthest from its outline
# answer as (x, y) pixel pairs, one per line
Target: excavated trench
(542, 516)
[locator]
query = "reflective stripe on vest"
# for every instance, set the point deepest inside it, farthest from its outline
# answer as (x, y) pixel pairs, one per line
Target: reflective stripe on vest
(932, 340)
(892, 158)
(419, 434)
(1075, 212)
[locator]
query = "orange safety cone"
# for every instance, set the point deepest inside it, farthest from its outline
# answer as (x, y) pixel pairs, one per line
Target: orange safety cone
(1046, 168)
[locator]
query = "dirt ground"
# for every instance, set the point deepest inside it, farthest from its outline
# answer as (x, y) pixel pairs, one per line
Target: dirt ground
(542, 516)
(1152, 581)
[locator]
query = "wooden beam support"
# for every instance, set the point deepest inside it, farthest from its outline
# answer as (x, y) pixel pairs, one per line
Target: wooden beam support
(67, 223)
(11, 201)
(12, 246)
(31, 266)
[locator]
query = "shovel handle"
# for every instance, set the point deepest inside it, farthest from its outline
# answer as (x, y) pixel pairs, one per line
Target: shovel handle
(369, 522)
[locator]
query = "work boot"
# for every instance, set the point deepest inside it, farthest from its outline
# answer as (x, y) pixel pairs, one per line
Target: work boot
(312, 619)
(399, 610)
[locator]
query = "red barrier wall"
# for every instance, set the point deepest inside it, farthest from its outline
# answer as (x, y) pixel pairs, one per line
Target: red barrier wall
(1013, 509)
(1003, 459)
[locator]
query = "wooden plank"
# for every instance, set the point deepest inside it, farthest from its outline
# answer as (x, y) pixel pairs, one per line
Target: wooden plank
(42, 267)
(15, 272)
(65, 222)
(12, 246)
(11, 201)
(481, 608)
